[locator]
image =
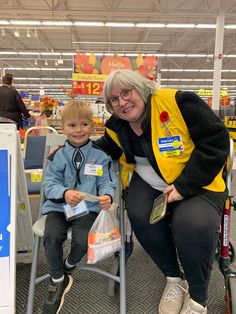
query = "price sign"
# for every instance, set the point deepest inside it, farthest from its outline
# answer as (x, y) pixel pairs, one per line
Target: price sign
(87, 88)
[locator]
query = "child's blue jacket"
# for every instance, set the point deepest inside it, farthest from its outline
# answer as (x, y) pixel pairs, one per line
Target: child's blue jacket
(67, 170)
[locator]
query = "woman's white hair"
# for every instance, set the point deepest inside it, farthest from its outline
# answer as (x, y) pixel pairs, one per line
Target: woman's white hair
(126, 79)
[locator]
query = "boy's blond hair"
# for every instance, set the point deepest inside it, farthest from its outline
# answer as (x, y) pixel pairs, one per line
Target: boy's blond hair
(75, 110)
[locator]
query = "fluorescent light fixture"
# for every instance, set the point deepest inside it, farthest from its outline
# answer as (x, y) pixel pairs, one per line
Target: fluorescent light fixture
(16, 33)
(176, 55)
(28, 33)
(179, 25)
(68, 53)
(50, 53)
(191, 70)
(230, 26)
(131, 54)
(192, 55)
(28, 53)
(47, 69)
(65, 69)
(114, 24)
(3, 34)
(16, 22)
(88, 23)
(32, 69)
(205, 26)
(2, 22)
(176, 70)
(206, 70)
(57, 23)
(157, 25)
(8, 53)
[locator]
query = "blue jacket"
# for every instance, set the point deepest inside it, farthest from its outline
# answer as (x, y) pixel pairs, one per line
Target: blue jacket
(66, 171)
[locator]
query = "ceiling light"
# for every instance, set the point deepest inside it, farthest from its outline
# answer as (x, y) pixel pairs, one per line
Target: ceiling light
(15, 22)
(150, 25)
(205, 26)
(233, 26)
(60, 61)
(56, 63)
(4, 22)
(112, 24)
(35, 33)
(3, 34)
(28, 33)
(16, 33)
(57, 23)
(35, 62)
(179, 25)
(88, 23)
(46, 62)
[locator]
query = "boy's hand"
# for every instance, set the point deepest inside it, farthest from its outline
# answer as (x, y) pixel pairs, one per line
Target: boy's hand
(73, 197)
(104, 201)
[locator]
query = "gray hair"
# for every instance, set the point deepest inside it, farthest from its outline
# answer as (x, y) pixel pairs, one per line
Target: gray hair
(128, 79)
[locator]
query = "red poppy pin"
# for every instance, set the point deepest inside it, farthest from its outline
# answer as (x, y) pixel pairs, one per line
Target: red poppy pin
(164, 116)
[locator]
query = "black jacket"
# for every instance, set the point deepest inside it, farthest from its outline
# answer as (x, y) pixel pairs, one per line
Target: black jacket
(12, 105)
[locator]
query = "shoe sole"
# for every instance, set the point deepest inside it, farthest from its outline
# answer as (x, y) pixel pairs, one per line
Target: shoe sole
(65, 292)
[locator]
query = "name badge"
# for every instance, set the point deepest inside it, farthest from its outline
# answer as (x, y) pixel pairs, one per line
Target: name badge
(93, 170)
(75, 212)
(170, 146)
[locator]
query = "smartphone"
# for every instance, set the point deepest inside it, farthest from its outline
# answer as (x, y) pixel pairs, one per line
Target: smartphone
(158, 208)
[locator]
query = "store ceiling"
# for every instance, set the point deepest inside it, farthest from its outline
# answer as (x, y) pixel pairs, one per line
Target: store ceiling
(59, 40)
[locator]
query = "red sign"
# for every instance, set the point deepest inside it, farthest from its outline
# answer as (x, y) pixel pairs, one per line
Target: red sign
(87, 88)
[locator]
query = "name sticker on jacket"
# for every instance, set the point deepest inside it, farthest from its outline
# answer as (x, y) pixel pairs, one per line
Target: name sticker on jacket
(93, 170)
(170, 146)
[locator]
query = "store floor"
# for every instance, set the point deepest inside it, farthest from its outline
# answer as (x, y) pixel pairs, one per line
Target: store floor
(145, 284)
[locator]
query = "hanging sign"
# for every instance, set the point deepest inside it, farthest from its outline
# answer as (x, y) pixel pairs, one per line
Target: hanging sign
(90, 71)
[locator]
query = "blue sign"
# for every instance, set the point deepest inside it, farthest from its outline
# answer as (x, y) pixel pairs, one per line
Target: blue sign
(35, 97)
(4, 205)
(24, 94)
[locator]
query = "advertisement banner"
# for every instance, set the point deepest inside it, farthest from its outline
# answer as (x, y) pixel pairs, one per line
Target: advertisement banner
(89, 68)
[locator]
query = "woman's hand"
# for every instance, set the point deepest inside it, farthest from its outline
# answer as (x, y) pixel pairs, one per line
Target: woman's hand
(104, 201)
(173, 194)
(73, 197)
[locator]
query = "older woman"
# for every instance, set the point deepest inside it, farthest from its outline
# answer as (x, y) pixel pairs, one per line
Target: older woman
(174, 143)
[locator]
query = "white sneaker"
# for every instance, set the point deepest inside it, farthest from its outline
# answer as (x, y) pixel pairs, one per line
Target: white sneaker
(192, 307)
(173, 296)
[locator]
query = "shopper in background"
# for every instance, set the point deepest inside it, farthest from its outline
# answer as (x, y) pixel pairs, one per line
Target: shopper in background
(175, 144)
(78, 166)
(11, 103)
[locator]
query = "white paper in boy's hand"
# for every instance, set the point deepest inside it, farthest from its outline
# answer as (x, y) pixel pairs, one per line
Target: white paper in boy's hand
(89, 197)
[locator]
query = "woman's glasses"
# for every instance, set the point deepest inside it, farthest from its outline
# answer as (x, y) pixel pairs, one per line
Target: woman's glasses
(125, 94)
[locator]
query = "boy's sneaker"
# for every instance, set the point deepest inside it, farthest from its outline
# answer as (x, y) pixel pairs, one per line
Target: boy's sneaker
(67, 270)
(192, 307)
(56, 295)
(173, 296)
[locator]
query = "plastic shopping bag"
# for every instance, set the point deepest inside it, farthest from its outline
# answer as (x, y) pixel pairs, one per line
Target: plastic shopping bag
(103, 238)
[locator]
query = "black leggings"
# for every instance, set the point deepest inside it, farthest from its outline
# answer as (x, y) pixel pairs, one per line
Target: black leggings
(189, 230)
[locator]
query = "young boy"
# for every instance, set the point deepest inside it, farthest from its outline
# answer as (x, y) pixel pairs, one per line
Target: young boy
(78, 166)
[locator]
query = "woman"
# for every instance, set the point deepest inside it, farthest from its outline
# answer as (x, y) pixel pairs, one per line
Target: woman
(175, 144)
(11, 104)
